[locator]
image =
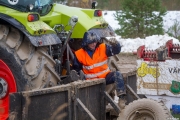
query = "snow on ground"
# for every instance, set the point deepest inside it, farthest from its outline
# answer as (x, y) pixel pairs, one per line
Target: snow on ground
(151, 42)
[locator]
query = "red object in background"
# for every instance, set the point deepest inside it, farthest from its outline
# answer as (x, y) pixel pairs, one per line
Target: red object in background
(173, 51)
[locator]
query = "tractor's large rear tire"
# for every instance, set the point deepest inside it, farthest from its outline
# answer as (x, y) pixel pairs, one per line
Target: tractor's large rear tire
(30, 67)
(145, 109)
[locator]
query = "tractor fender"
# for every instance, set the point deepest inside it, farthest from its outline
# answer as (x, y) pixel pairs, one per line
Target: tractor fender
(36, 40)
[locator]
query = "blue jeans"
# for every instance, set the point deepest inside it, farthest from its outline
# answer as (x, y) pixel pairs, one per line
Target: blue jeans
(116, 77)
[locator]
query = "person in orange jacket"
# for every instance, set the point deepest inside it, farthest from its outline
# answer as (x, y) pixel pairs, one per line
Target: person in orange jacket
(92, 59)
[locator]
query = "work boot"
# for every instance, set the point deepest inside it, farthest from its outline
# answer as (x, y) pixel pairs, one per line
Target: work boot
(122, 102)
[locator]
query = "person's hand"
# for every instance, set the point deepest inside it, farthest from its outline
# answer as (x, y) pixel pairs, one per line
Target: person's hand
(113, 41)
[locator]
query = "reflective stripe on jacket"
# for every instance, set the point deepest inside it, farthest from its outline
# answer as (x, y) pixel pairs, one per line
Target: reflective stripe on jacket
(97, 66)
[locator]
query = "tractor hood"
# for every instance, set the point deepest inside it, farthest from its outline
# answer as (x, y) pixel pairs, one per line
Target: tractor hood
(87, 19)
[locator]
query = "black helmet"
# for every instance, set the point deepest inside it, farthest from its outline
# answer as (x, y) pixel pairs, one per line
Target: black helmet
(90, 37)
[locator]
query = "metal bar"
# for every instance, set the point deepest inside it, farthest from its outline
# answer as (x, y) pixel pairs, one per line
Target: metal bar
(68, 67)
(113, 104)
(65, 44)
(132, 92)
(91, 94)
(103, 102)
(69, 104)
(115, 65)
(25, 108)
(70, 51)
(67, 61)
(157, 78)
(15, 109)
(74, 96)
(68, 36)
(85, 109)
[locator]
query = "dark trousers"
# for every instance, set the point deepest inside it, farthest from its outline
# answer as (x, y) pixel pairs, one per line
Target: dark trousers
(116, 77)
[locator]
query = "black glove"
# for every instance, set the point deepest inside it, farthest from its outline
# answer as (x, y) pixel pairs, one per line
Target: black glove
(113, 41)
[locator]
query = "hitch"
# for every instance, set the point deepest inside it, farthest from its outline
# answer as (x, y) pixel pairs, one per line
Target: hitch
(58, 51)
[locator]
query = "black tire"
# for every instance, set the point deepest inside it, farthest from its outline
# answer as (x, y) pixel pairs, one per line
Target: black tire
(32, 67)
(145, 109)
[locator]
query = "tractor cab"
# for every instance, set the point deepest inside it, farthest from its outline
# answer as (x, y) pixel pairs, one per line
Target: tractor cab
(43, 7)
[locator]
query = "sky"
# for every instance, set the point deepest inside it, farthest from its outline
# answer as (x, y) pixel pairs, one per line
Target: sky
(150, 42)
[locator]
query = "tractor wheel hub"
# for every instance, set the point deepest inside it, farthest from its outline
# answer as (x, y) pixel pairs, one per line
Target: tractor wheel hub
(3, 88)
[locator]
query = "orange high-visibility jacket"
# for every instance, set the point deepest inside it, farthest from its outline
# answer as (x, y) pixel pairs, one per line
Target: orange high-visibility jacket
(97, 66)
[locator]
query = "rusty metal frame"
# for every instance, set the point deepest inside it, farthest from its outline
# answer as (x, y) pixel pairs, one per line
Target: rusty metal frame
(83, 107)
(130, 79)
(20, 102)
(26, 105)
(83, 104)
(113, 104)
(131, 91)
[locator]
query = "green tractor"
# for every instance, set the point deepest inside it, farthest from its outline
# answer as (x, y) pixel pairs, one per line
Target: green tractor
(35, 36)
(37, 40)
